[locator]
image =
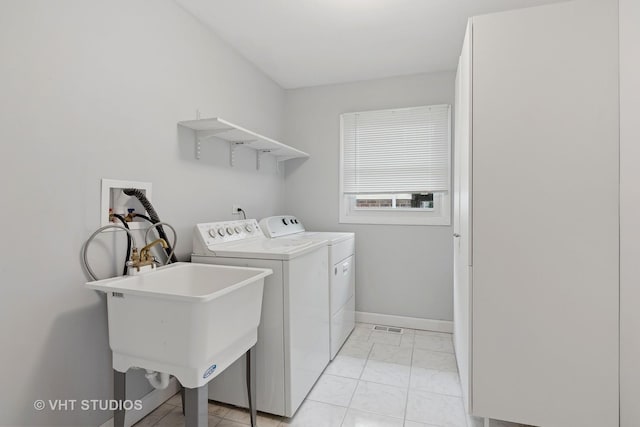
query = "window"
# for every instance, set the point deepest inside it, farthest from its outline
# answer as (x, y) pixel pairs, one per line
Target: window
(395, 166)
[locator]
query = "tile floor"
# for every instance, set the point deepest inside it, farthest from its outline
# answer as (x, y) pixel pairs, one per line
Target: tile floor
(378, 379)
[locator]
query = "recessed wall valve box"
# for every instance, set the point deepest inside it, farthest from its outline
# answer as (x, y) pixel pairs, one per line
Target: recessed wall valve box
(114, 200)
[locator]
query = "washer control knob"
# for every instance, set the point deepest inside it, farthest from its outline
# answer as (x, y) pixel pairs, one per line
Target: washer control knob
(229, 231)
(212, 232)
(249, 228)
(237, 229)
(284, 221)
(221, 232)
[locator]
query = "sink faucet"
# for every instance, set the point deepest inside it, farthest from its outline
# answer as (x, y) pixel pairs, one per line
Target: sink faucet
(144, 257)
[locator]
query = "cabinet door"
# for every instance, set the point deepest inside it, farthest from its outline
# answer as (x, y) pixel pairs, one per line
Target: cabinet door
(462, 219)
(545, 215)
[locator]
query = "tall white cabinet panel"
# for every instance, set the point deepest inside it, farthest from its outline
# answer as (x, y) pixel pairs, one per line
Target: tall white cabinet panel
(629, 213)
(462, 219)
(544, 281)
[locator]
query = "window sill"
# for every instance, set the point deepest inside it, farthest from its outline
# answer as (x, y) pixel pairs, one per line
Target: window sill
(390, 211)
(394, 220)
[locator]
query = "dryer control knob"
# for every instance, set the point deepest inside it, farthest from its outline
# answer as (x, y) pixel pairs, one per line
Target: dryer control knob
(221, 232)
(237, 230)
(212, 232)
(229, 231)
(284, 221)
(249, 228)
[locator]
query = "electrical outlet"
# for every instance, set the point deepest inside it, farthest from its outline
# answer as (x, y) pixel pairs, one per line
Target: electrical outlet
(236, 209)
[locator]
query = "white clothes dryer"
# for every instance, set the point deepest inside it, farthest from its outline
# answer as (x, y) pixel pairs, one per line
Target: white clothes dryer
(341, 271)
(293, 336)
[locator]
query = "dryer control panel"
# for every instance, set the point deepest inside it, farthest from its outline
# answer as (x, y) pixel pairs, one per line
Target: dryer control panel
(281, 225)
(209, 234)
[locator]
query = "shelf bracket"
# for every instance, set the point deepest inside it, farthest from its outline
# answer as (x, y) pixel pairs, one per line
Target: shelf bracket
(232, 152)
(258, 153)
(203, 135)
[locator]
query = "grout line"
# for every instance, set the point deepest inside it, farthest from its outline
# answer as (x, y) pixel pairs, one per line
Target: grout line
(406, 403)
(375, 382)
(351, 399)
(327, 403)
(159, 419)
(436, 351)
(344, 417)
(369, 353)
(342, 376)
(378, 414)
(435, 392)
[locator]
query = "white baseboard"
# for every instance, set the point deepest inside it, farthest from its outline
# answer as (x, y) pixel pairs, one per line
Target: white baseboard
(149, 403)
(405, 322)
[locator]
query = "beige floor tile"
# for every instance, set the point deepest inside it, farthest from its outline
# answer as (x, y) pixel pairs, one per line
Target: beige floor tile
(434, 343)
(346, 366)
(316, 414)
(333, 390)
(386, 373)
(391, 354)
(380, 399)
(357, 418)
(437, 360)
(385, 338)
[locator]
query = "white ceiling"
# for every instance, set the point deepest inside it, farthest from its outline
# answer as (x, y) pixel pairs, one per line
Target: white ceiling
(301, 43)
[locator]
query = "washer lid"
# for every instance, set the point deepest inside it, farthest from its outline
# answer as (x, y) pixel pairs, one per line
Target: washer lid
(332, 237)
(282, 248)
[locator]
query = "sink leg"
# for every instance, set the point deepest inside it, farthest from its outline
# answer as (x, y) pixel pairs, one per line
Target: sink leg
(251, 384)
(119, 393)
(195, 408)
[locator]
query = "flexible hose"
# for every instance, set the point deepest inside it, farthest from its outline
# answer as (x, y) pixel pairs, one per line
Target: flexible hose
(153, 215)
(95, 233)
(128, 255)
(143, 217)
(175, 238)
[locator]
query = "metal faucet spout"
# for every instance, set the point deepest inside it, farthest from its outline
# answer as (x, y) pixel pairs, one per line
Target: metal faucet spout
(150, 245)
(145, 257)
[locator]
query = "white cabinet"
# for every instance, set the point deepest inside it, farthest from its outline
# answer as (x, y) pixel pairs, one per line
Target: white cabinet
(462, 219)
(629, 212)
(536, 212)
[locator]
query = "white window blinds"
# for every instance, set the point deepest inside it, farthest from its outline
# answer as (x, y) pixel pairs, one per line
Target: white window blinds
(396, 151)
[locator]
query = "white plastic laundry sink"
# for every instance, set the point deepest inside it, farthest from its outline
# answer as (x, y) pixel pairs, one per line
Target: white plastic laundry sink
(188, 320)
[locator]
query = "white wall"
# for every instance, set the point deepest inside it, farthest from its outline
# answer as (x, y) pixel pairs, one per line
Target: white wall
(629, 213)
(92, 89)
(400, 270)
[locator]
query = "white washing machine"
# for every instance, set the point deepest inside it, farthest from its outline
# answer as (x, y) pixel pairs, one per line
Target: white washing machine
(342, 281)
(293, 336)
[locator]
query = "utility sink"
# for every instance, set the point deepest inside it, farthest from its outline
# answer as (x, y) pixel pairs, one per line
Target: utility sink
(185, 319)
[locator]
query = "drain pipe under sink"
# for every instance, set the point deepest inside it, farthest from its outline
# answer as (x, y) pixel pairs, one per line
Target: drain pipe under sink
(161, 383)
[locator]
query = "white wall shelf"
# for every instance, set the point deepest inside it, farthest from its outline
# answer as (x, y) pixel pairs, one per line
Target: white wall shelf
(238, 136)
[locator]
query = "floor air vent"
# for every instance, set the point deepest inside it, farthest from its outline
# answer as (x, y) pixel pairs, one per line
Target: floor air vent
(387, 329)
